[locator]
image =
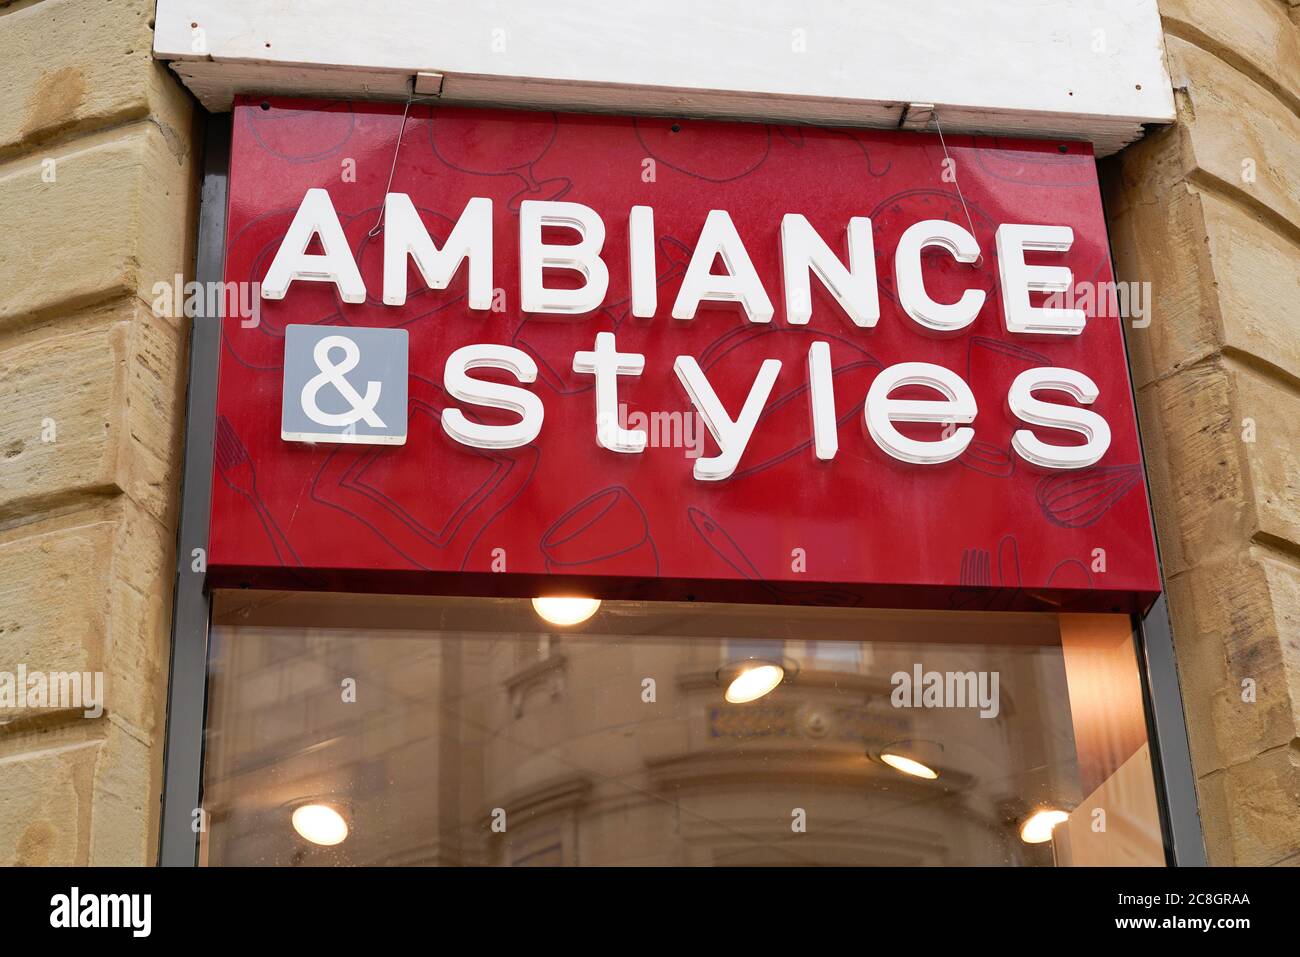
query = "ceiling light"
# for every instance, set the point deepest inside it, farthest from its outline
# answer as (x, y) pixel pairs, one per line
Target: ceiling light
(566, 611)
(1037, 828)
(915, 757)
(320, 824)
(753, 679)
(909, 766)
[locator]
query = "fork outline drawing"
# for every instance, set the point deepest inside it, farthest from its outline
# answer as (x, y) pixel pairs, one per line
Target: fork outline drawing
(237, 471)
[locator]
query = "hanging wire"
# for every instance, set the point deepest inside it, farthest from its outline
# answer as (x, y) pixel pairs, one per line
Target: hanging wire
(383, 202)
(979, 259)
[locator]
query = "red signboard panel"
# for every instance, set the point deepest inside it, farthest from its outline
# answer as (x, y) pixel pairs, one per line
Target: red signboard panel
(561, 514)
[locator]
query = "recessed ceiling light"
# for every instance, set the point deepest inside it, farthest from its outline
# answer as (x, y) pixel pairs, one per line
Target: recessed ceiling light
(1037, 828)
(566, 611)
(908, 766)
(320, 824)
(753, 679)
(915, 757)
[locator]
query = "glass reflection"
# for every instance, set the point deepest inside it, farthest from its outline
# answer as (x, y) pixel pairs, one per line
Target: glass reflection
(469, 732)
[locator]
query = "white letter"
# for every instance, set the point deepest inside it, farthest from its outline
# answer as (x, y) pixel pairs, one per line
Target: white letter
(59, 915)
(315, 217)
(916, 302)
(958, 405)
(95, 703)
(1051, 415)
(804, 252)
(641, 261)
(741, 283)
(732, 437)
(821, 389)
(491, 394)
(141, 914)
(405, 235)
(1020, 279)
(583, 257)
(901, 697)
(607, 364)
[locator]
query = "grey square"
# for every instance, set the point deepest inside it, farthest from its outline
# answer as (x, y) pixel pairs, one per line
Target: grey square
(344, 384)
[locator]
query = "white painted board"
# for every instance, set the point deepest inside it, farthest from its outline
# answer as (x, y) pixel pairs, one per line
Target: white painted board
(1088, 69)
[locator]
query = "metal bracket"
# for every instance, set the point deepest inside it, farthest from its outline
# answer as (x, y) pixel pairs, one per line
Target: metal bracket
(916, 116)
(428, 84)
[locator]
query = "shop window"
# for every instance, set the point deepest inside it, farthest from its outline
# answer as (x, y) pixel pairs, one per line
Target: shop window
(363, 730)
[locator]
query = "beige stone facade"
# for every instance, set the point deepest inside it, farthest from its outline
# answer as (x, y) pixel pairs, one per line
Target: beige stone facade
(98, 198)
(1208, 211)
(98, 201)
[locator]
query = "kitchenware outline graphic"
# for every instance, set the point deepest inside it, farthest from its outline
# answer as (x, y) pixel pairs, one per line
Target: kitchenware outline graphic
(1036, 169)
(1080, 498)
(602, 504)
(341, 483)
(238, 472)
(898, 206)
(747, 335)
(992, 458)
(528, 154)
(866, 153)
(791, 134)
(989, 458)
(722, 544)
(981, 585)
(1066, 567)
(681, 133)
(796, 137)
(263, 125)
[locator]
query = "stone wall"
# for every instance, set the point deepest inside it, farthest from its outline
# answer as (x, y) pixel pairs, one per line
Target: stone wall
(1208, 211)
(98, 201)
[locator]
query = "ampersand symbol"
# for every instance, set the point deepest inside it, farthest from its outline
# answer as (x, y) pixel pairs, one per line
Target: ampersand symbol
(335, 374)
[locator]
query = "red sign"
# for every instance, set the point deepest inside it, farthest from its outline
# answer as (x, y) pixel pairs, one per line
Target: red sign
(779, 420)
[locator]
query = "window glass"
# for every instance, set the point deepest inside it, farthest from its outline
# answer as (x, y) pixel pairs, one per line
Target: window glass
(348, 729)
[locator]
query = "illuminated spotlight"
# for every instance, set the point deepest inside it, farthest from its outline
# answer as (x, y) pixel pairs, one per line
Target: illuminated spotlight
(915, 757)
(566, 611)
(753, 679)
(1037, 828)
(909, 766)
(320, 824)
